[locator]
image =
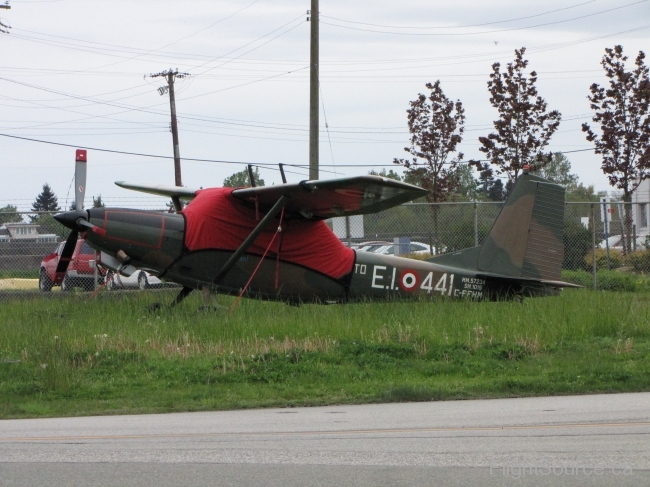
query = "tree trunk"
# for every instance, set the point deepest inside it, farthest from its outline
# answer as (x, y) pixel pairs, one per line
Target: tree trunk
(627, 223)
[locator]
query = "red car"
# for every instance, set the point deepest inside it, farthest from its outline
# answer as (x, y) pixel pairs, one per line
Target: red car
(81, 271)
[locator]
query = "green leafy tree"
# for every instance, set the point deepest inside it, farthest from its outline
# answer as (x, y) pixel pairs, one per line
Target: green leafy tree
(524, 127)
(558, 170)
(467, 185)
(577, 244)
(436, 124)
(622, 111)
(9, 214)
(49, 225)
(241, 179)
(582, 193)
(390, 174)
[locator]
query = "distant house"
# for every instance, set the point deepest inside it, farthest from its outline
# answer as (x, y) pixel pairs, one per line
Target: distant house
(641, 207)
(24, 232)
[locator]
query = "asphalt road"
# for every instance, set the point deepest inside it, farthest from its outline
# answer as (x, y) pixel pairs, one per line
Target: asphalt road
(601, 440)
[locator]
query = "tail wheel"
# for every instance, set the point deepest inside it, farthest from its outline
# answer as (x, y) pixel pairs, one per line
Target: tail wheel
(44, 282)
(143, 282)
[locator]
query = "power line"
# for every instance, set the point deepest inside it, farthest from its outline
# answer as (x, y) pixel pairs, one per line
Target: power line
(485, 32)
(220, 161)
(462, 26)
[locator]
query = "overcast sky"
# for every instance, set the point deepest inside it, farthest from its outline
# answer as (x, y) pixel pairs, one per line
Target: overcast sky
(76, 72)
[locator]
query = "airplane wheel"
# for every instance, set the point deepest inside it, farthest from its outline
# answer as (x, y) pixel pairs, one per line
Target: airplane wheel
(66, 285)
(143, 282)
(44, 281)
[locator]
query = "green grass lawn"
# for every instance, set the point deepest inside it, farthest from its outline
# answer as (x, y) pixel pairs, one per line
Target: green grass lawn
(73, 356)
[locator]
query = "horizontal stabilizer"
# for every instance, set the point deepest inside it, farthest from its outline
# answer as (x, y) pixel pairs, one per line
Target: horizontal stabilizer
(333, 197)
(160, 190)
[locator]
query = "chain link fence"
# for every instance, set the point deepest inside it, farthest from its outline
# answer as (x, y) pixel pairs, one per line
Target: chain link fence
(596, 241)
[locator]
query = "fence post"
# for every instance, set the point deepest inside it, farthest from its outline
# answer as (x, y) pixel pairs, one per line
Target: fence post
(475, 224)
(347, 231)
(606, 218)
(96, 271)
(593, 243)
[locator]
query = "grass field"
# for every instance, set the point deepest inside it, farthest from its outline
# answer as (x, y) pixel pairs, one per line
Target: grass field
(73, 356)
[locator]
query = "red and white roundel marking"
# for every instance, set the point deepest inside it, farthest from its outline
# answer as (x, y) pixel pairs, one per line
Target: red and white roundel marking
(81, 189)
(409, 280)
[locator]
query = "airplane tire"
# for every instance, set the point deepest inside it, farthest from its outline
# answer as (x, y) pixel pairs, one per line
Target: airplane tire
(44, 281)
(66, 285)
(143, 282)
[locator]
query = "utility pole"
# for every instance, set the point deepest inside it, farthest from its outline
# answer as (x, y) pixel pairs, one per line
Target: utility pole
(171, 76)
(313, 92)
(6, 6)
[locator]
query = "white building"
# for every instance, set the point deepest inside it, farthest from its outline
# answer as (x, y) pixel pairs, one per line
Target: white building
(25, 232)
(640, 208)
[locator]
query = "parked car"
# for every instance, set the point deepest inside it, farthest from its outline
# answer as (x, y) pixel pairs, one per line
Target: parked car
(80, 273)
(370, 246)
(138, 280)
(414, 248)
(616, 242)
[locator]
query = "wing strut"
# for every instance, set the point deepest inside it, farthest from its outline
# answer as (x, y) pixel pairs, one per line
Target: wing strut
(234, 258)
(239, 252)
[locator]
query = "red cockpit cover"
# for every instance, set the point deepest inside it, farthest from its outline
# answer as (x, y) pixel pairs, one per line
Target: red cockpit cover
(217, 220)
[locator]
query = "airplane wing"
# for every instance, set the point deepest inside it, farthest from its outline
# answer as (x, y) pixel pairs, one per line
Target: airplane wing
(333, 197)
(160, 190)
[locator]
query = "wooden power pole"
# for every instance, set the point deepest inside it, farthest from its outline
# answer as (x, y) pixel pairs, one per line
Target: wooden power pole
(171, 76)
(3, 27)
(313, 93)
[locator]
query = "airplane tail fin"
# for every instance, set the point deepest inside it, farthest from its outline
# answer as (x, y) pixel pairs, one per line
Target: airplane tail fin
(526, 238)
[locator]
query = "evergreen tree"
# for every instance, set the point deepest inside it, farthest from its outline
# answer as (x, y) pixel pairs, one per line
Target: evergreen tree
(97, 202)
(485, 181)
(496, 191)
(46, 200)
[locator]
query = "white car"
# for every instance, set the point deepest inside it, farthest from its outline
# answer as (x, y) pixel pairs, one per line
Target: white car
(414, 248)
(616, 242)
(139, 279)
(370, 246)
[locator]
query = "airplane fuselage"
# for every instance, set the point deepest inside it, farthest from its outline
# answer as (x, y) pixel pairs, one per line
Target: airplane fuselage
(155, 242)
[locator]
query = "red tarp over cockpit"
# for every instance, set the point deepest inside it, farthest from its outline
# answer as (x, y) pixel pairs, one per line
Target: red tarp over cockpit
(217, 220)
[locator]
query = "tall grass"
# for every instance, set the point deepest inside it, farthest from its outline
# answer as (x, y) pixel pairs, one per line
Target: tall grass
(77, 324)
(108, 354)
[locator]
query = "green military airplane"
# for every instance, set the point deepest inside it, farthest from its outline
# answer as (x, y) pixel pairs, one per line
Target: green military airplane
(272, 242)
